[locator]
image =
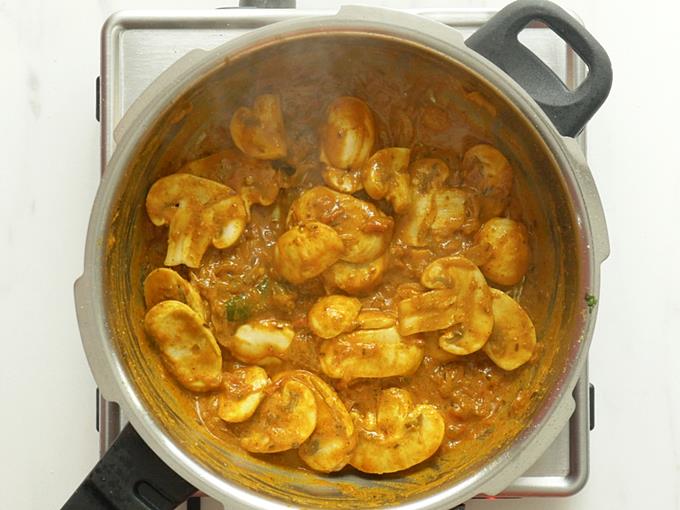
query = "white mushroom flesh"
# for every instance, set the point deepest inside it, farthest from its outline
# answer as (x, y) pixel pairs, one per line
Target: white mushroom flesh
(513, 339)
(509, 253)
(260, 341)
(333, 315)
(487, 170)
(199, 211)
(427, 178)
(429, 311)
(473, 314)
(164, 284)
(356, 279)
(255, 180)
(454, 209)
(386, 175)
(242, 391)
(348, 135)
(229, 219)
(398, 436)
(364, 229)
(345, 181)
(375, 319)
(330, 446)
(259, 131)
(187, 347)
(372, 353)
(306, 251)
(283, 421)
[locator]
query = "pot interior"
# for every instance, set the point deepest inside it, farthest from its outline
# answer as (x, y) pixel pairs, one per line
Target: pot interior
(307, 70)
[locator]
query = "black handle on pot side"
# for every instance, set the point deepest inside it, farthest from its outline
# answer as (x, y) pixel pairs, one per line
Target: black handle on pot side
(568, 109)
(130, 476)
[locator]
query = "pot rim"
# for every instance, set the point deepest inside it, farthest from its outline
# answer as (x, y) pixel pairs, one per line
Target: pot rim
(109, 371)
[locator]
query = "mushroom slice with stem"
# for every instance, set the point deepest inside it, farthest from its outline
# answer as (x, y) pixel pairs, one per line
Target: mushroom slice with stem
(283, 421)
(164, 284)
(199, 211)
(356, 279)
(243, 390)
(333, 315)
(330, 446)
(513, 339)
(371, 353)
(259, 131)
(427, 177)
(306, 251)
(459, 304)
(385, 175)
(364, 229)
(509, 253)
(262, 341)
(474, 316)
(255, 180)
(187, 347)
(398, 436)
(347, 139)
(488, 171)
(428, 311)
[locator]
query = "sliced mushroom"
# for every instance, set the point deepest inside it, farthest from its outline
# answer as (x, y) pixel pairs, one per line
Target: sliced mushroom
(343, 180)
(370, 318)
(454, 209)
(261, 341)
(371, 353)
(427, 178)
(347, 139)
(385, 175)
(436, 354)
(164, 284)
(356, 279)
(399, 436)
(255, 180)
(188, 348)
(199, 211)
(509, 253)
(513, 339)
(364, 229)
(487, 170)
(330, 446)
(429, 311)
(243, 390)
(259, 131)
(472, 310)
(229, 220)
(283, 421)
(306, 251)
(333, 315)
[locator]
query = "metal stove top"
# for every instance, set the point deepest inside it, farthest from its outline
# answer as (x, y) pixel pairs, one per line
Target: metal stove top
(137, 46)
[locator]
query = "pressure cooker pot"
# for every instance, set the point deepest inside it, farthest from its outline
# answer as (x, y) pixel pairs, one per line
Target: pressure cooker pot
(492, 89)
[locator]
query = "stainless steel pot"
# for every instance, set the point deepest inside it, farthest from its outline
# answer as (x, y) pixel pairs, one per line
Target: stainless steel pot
(535, 118)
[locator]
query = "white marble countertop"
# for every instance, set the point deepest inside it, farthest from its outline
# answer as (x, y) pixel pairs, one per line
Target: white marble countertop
(49, 53)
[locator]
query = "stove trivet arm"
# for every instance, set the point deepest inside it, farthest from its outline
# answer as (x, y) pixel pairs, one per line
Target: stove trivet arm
(130, 476)
(569, 110)
(268, 4)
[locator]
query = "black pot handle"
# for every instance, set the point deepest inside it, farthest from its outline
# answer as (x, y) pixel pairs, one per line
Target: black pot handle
(130, 476)
(569, 110)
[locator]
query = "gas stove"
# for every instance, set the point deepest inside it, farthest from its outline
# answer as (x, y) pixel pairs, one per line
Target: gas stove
(137, 46)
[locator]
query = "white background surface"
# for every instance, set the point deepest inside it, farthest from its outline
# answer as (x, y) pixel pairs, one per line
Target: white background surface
(49, 56)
